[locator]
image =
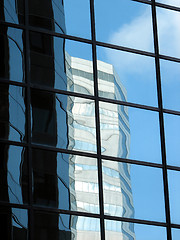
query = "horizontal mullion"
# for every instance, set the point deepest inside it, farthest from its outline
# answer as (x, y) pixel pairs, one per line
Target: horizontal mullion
(14, 83)
(131, 161)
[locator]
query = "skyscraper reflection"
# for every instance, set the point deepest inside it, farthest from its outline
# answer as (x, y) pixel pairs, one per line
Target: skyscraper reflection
(73, 128)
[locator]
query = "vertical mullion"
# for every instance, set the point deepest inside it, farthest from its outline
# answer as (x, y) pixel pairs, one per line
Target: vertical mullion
(98, 137)
(161, 120)
(28, 120)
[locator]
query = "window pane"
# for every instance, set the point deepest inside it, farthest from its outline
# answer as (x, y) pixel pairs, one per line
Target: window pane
(126, 76)
(12, 11)
(174, 195)
(125, 23)
(170, 72)
(65, 181)
(12, 54)
(175, 3)
(63, 121)
(62, 64)
(168, 32)
(175, 234)
(14, 223)
(12, 112)
(67, 17)
(129, 133)
(14, 174)
(172, 130)
(130, 191)
(77, 18)
(61, 226)
(125, 230)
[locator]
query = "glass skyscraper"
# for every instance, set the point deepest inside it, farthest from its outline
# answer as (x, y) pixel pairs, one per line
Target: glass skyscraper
(89, 119)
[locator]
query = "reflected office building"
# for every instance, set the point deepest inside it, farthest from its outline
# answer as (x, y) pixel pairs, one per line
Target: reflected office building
(115, 137)
(59, 180)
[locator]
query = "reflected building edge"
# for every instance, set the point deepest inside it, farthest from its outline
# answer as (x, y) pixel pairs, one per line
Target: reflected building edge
(80, 134)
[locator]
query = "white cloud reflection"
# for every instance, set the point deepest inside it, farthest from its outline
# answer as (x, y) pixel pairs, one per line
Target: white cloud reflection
(138, 34)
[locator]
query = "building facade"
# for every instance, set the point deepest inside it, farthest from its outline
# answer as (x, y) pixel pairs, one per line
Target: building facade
(88, 152)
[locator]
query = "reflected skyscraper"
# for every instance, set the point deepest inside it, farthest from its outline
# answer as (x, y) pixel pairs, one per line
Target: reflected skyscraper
(115, 135)
(78, 190)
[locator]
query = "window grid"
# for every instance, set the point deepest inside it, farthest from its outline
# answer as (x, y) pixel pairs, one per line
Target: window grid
(29, 145)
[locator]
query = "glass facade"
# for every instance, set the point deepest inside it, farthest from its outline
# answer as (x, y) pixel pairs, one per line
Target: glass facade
(89, 114)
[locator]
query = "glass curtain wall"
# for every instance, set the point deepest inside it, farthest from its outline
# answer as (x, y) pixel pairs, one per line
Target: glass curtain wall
(89, 119)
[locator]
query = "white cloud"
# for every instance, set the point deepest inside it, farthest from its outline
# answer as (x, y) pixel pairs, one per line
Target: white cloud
(138, 34)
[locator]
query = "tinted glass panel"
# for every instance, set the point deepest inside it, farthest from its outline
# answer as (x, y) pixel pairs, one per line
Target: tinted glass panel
(129, 189)
(66, 227)
(12, 54)
(170, 72)
(67, 17)
(174, 195)
(175, 234)
(172, 130)
(14, 223)
(63, 121)
(168, 32)
(125, 230)
(65, 181)
(12, 11)
(175, 3)
(126, 76)
(77, 18)
(14, 174)
(12, 112)
(129, 133)
(61, 64)
(125, 23)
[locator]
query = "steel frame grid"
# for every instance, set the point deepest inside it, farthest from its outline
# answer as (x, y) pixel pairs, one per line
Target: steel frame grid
(28, 86)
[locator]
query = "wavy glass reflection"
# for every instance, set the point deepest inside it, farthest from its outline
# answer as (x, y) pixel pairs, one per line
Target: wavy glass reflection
(128, 189)
(65, 226)
(12, 112)
(65, 181)
(131, 231)
(12, 11)
(13, 174)
(63, 121)
(14, 223)
(12, 54)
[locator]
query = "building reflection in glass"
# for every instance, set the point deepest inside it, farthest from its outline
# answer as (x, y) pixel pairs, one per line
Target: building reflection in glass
(68, 182)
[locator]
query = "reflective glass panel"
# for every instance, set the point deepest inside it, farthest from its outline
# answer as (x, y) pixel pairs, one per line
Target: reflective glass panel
(63, 121)
(174, 195)
(168, 32)
(12, 54)
(175, 234)
(61, 226)
(13, 174)
(126, 76)
(61, 64)
(128, 132)
(175, 3)
(125, 230)
(65, 181)
(12, 112)
(172, 131)
(125, 23)
(14, 223)
(77, 18)
(62, 16)
(170, 72)
(12, 11)
(131, 192)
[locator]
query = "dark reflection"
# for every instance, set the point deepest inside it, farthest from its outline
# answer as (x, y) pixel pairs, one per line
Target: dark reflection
(12, 11)
(17, 219)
